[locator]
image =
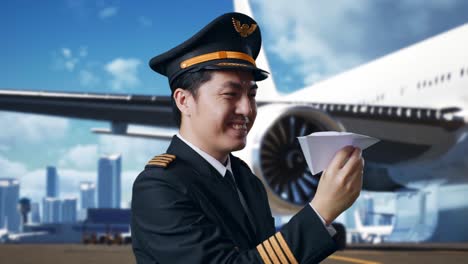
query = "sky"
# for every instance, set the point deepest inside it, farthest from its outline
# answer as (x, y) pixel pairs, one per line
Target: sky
(104, 46)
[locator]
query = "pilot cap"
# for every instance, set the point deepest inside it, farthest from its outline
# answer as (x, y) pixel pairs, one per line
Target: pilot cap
(230, 42)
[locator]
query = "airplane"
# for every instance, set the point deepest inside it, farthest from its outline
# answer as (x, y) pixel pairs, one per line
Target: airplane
(414, 100)
(374, 234)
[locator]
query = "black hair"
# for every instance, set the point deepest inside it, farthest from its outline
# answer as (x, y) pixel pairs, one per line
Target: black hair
(189, 81)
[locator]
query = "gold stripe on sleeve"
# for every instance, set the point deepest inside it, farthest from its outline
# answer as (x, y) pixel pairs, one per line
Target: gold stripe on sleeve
(285, 248)
(263, 254)
(278, 250)
(270, 252)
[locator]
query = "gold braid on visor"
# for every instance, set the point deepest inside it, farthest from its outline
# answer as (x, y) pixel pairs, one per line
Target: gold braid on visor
(216, 56)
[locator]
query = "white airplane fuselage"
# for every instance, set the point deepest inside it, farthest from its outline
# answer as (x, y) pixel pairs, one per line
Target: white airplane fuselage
(429, 74)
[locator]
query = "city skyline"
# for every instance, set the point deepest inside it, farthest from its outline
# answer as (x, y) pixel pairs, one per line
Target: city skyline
(56, 208)
(304, 42)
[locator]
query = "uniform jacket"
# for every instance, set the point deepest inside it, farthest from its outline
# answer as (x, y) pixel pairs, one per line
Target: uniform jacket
(186, 213)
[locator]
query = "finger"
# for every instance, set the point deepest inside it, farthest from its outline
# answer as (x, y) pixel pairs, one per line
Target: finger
(355, 181)
(340, 158)
(354, 162)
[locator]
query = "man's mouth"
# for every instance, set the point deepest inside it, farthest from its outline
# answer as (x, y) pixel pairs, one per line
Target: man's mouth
(239, 126)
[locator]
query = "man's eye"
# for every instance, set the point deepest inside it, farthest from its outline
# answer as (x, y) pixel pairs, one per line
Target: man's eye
(230, 94)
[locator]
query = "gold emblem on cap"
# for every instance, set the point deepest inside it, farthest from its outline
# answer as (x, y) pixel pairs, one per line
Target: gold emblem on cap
(244, 30)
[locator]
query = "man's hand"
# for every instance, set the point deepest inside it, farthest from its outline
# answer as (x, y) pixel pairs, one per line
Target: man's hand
(340, 184)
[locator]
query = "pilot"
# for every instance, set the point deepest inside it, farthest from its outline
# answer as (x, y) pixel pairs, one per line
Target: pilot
(198, 203)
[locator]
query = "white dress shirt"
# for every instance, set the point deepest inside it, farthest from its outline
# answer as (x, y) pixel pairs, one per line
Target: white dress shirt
(221, 168)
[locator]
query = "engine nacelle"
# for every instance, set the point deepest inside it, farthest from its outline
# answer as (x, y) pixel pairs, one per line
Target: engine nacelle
(275, 155)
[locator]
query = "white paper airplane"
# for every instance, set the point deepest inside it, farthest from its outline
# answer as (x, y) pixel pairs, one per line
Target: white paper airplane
(319, 148)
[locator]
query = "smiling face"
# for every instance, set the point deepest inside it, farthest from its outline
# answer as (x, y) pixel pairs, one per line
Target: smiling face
(219, 117)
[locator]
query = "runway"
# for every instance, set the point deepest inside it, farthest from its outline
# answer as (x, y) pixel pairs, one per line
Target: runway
(401, 253)
(94, 254)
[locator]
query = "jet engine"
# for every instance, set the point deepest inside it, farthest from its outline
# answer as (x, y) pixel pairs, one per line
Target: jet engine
(275, 155)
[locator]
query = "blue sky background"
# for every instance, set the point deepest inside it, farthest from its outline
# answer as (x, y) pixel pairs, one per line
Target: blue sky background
(104, 46)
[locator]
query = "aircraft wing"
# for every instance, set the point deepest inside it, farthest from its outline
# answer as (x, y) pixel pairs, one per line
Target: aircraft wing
(386, 123)
(119, 109)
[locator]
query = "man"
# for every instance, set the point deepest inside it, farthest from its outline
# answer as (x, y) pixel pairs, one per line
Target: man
(198, 203)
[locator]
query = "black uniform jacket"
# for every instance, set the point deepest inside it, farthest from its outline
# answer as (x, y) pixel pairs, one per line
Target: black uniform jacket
(186, 213)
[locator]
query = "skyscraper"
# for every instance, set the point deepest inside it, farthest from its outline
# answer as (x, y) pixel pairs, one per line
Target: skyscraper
(87, 195)
(9, 196)
(52, 182)
(69, 210)
(109, 170)
(35, 215)
(51, 212)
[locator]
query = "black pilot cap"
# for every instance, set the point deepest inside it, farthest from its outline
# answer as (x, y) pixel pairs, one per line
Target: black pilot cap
(231, 41)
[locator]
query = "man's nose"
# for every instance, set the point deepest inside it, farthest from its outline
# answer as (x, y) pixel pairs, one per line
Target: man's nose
(244, 106)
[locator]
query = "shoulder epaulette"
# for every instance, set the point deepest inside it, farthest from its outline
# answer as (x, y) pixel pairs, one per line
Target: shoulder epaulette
(162, 160)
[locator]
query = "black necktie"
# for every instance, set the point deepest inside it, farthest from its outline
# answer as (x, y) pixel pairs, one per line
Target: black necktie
(230, 179)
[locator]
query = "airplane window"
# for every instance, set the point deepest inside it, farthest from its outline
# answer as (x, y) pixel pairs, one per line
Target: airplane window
(380, 110)
(462, 72)
(448, 76)
(408, 112)
(418, 114)
(418, 85)
(424, 84)
(398, 112)
(429, 83)
(436, 80)
(442, 78)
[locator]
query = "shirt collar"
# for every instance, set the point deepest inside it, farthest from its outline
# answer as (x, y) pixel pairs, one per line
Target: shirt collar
(212, 161)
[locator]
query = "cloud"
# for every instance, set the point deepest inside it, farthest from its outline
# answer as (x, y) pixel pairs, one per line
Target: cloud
(145, 21)
(11, 169)
(88, 79)
(64, 59)
(30, 128)
(80, 157)
(319, 39)
(33, 183)
(123, 72)
(66, 53)
(108, 12)
(135, 151)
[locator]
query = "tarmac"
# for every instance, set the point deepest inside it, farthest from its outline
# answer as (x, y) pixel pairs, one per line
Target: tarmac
(115, 254)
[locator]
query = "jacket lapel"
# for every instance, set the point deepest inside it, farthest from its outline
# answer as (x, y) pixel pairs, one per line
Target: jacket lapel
(260, 214)
(225, 198)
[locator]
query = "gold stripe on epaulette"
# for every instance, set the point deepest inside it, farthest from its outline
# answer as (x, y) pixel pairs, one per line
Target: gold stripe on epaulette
(278, 250)
(163, 158)
(285, 248)
(263, 254)
(168, 155)
(158, 164)
(270, 252)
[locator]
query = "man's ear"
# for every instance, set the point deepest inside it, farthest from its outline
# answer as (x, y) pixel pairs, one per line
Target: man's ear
(182, 98)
